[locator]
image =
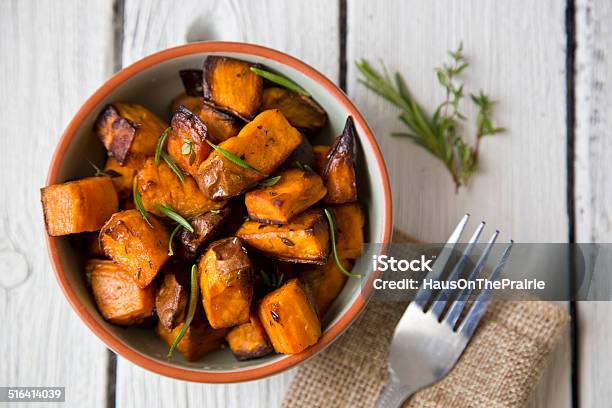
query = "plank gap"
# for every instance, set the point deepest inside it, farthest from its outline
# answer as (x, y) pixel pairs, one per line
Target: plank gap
(111, 380)
(118, 33)
(342, 57)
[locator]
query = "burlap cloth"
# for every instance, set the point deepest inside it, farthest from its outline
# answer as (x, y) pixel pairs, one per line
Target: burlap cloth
(499, 368)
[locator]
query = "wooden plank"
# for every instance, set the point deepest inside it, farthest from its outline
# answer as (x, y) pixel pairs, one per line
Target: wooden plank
(52, 58)
(517, 55)
(593, 149)
(307, 30)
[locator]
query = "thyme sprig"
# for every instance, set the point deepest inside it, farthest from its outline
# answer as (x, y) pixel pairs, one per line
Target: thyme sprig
(439, 133)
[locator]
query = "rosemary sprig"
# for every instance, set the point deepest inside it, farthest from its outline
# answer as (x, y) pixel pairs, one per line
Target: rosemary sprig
(280, 80)
(138, 204)
(160, 144)
(193, 302)
(439, 133)
(269, 182)
(173, 215)
(332, 236)
(234, 159)
(99, 172)
(172, 235)
(173, 166)
(274, 280)
(303, 166)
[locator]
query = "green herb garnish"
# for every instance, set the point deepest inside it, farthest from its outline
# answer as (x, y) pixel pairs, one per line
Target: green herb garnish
(280, 80)
(269, 182)
(332, 235)
(302, 166)
(160, 144)
(173, 215)
(99, 172)
(439, 133)
(188, 148)
(173, 166)
(193, 302)
(274, 280)
(235, 159)
(138, 204)
(172, 235)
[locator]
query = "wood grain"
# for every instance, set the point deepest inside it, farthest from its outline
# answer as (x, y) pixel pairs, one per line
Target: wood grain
(516, 50)
(593, 151)
(307, 30)
(52, 59)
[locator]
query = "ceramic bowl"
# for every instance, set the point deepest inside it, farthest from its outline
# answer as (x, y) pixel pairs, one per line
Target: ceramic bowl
(154, 82)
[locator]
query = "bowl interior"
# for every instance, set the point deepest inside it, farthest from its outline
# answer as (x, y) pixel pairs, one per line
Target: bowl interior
(154, 88)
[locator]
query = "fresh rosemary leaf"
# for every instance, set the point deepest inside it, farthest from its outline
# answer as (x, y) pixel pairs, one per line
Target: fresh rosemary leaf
(332, 235)
(171, 239)
(173, 166)
(269, 182)
(280, 80)
(138, 204)
(193, 302)
(160, 144)
(302, 166)
(173, 215)
(99, 172)
(235, 159)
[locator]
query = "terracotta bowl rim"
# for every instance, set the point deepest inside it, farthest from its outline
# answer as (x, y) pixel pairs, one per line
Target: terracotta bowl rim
(183, 373)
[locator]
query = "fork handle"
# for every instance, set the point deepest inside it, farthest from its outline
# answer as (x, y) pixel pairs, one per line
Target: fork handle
(394, 395)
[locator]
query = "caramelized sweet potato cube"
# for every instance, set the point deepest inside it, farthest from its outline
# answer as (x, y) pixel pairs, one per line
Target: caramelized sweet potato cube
(191, 103)
(301, 158)
(206, 227)
(124, 178)
(325, 282)
(339, 173)
(320, 158)
(349, 222)
(192, 81)
(295, 191)
(159, 185)
(187, 141)
(300, 110)
(265, 143)
(230, 84)
(289, 318)
(171, 300)
(138, 248)
(78, 206)
(249, 340)
(305, 239)
(128, 130)
(119, 298)
(226, 282)
(221, 126)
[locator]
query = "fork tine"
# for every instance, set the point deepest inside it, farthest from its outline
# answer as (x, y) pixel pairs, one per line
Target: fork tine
(444, 295)
(422, 296)
(468, 326)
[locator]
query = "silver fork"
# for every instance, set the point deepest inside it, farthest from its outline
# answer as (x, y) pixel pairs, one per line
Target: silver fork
(427, 344)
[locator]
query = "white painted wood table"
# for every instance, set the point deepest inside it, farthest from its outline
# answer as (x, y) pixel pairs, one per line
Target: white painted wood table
(544, 180)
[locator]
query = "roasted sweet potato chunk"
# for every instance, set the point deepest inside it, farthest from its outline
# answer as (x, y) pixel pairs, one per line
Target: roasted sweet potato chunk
(192, 81)
(349, 222)
(249, 340)
(206, 227)
(171, 300)
(138, 248)
(264, 143)
(123, 175)
(289, 318)
(231, 85)
(325, 282)
(119, 298)
(320, 153)
(226, 282)
(221, 126)
(300, 110)
(128, 130)
(295, 191)
(159, 185)
(339, 173)
(305, 239)
(78, 206)
(187, 141)
(191, 103)
(301, 158)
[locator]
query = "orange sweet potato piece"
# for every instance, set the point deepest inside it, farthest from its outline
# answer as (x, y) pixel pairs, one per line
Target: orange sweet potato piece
(124, 179)
(119, 299)
(137, 247)
(301, 158)
(339, 172)
(325, 283)
(349, 221)
(187, 141)
(171, 299)
(264, 143)
(159, 185)
(206, 227)
(300, 110)
(221, 126)
(128, 130)
(192, 103)
(230, 84)
(78, 206)
(289, 318)
(226, 283)
(295, 191)
(305, 239)
(249, 340)
(320, 158)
